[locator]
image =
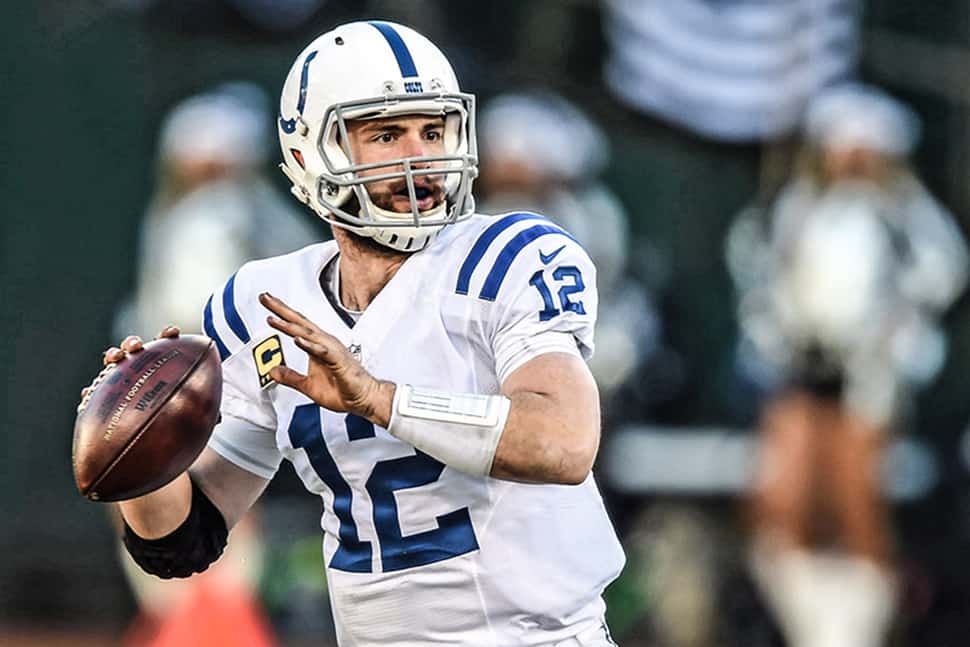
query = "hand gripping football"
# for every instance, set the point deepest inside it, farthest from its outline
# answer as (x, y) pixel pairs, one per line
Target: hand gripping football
(148, 419)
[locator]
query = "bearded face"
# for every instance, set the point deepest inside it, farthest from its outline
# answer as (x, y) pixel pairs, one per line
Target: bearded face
(386, 140)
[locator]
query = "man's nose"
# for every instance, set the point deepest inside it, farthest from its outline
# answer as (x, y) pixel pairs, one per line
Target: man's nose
(416, 146)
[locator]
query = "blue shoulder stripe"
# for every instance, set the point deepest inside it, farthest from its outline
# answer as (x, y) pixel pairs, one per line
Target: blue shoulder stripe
(505, 258)
(401, 52)
(481, 246)
(232, 315)
(210, 330)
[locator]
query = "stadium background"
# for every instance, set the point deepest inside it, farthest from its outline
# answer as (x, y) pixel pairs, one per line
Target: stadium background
(84, 88)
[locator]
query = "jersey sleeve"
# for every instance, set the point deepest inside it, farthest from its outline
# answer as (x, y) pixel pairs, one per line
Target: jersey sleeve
(247, 434)
(541, 285)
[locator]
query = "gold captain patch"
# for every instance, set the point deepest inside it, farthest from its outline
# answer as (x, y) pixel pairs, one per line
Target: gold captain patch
(268, 354)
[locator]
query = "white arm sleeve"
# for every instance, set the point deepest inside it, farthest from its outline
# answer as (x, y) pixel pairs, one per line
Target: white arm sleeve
(545, 308)
(520, 350)
(249, 447)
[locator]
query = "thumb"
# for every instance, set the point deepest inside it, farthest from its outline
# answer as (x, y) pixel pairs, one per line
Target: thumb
(288, 377)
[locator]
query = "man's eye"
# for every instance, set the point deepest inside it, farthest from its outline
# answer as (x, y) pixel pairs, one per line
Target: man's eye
(433, 135)
(385, 138)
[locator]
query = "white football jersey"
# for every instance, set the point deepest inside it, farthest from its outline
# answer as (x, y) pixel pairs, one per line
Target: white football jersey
(418, 553)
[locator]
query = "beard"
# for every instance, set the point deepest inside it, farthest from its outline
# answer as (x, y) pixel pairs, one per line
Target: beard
(372, 246)
(365, 242)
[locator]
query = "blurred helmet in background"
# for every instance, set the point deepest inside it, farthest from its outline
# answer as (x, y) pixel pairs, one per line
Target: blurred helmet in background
(550, 134)
(854, 115)
(227, 125)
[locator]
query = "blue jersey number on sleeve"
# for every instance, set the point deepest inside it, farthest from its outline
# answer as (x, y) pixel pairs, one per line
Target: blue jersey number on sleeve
(549, 309)
(454, 535)
(571, 280)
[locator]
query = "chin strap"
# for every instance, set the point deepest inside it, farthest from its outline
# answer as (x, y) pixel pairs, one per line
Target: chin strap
(404, 239)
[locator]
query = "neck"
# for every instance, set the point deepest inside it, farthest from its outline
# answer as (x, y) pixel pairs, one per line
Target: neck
(365, 268)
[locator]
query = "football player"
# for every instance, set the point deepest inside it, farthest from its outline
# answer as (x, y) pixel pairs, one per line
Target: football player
(424, 372)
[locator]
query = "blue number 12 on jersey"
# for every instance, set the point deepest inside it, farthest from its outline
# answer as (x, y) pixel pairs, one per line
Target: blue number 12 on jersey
(454, 535)
(575, 285)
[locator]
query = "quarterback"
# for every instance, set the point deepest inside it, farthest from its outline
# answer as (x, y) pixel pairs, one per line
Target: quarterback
(424, 372)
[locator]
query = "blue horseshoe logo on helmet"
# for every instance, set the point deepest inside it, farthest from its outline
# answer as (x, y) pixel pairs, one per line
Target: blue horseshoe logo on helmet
(289, 125)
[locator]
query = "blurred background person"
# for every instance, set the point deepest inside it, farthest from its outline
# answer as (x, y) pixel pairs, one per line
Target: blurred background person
(541, 153)
(709, 95)
(712, 92)
(842, 281)
(212, 209)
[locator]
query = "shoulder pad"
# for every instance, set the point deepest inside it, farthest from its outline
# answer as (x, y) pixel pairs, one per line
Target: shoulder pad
(222, 322)
(490, 258)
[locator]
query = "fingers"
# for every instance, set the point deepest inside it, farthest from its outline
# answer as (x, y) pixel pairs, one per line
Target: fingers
(132, 344)
(113, 355)
(288, 377)
(169, 332)
(317, 343)
(294, 324)
(285, 312)
(288, 327)
(331, 352)
(318, 350)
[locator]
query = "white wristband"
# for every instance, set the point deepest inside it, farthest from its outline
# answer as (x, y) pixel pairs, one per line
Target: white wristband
(461, 430)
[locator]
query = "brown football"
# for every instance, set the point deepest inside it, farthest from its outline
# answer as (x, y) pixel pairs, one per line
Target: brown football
(148, 420)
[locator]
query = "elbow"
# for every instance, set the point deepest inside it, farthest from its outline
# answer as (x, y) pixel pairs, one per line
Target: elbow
(575, 476)
(576, 463)
(553, 464)
(577, 453)
(555, 455)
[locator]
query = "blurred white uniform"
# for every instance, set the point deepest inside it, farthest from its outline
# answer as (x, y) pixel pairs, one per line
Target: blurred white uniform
(193, 236)
(855, 268)
(418, 553)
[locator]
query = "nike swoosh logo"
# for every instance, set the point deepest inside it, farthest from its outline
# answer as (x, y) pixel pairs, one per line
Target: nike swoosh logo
(547, 258)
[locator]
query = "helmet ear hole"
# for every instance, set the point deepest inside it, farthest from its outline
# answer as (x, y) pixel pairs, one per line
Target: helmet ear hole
(335, 159)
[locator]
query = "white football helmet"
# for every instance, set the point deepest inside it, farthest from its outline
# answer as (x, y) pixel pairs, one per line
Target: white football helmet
(373, 70)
